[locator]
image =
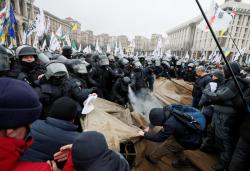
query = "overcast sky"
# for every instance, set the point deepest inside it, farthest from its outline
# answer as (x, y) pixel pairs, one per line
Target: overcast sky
(127, 17)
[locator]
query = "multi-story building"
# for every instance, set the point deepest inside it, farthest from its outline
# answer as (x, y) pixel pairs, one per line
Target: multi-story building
(142, 44)
(76, 34)
(91, 38)
(103, 40)
(124, 41)
(55, 22)
(187, 37)
(24, 10)
(181, 37)
(154, 40)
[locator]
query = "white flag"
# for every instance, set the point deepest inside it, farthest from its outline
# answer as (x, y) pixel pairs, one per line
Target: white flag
(217, 58)
(218, 19)
(97, 47)
(41, 24)
(33, 27)
(68, 40)
(54, 43)
(86, 49)
(120, 50)
(37, 25)
(59, 31)
(242, 51)
(80, 48)
(90, 50)
(44, 45)
(116, 49)
(3, 15)
(108, 49)
(203, 55)
(187, 56)
(211, 55)
(24, 37)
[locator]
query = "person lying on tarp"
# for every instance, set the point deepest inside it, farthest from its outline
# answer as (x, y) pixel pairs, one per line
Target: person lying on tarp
(182, 128)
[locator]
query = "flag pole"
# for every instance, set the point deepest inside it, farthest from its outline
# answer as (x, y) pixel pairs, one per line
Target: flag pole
(222, 53)
(234, 44)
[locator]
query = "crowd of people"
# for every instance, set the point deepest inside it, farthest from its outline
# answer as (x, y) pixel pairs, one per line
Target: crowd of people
(42, 95)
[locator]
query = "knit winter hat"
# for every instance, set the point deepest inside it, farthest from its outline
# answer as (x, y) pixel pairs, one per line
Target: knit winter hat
(19, 104)
(158, 116)
(64, 108)
(87, 148)
(235, 68)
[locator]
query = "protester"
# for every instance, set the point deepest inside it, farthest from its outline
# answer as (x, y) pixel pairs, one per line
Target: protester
(90, 152)
(202, 80)
(16, 115)
(174, 135)
(225, 121)
(27, 68)
(45, 132)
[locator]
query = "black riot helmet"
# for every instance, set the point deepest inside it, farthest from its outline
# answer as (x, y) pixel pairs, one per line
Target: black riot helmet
(67, 51)
(25, 50)
(103, 60)
(123, 62)
(126, 80)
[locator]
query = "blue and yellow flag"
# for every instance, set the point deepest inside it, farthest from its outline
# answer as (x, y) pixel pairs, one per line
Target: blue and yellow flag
(227, 52)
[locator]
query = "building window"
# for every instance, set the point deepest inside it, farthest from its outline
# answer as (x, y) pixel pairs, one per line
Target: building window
(237, 29)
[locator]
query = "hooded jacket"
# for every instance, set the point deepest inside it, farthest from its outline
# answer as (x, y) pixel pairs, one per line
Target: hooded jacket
(10, 152)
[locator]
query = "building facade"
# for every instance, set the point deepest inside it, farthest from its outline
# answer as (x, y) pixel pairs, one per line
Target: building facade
(24, 10)
(124, 41)
(154, 41)
(55, 22)
(187, 37)
(142, 44)
(180, 39)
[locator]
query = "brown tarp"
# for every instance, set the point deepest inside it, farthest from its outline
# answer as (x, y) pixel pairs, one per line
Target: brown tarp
(173, 91)
(119, 125)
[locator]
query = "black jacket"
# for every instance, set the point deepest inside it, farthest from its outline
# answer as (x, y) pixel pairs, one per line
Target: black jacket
(200, 84)
(27, 73)
(225, 97)
(185, 137)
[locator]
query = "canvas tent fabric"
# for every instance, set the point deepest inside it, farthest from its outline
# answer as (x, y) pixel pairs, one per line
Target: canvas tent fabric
(119, 125)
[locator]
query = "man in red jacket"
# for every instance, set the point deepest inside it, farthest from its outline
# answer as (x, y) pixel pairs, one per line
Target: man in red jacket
(19, 107)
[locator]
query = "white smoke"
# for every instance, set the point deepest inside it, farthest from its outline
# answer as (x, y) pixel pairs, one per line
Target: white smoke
(143, 101)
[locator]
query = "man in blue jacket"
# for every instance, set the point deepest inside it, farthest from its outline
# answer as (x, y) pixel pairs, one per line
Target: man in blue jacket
(175, 134)
(56, 131)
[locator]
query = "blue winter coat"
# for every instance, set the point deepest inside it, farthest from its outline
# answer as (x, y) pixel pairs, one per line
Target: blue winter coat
(48, 137)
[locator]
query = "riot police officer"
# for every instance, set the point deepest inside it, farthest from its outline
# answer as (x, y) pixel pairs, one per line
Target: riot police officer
(28, 67)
